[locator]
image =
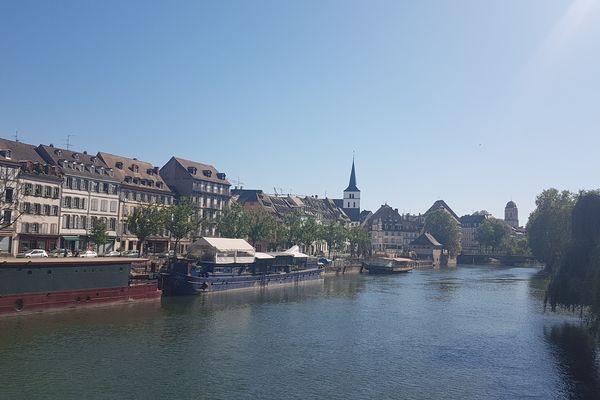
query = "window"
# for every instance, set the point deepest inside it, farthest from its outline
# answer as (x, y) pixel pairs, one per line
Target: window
(94, 205)
(83, 203)
(83, 222)
(77, 184)
(55, 193)
(6, 218)
(113, 206)
(8, 195)
(54, 210)
(26, 208)
(47, 191)
(84, 185)
(28, 188)
(125, 210)
(46, 209)
(53, 229)
(69, 183)
(103, 205)
(34, 228)
(76, 202)
(67, 202)
(38, 190)
(112, 225)
(44, 228)
(65, 221)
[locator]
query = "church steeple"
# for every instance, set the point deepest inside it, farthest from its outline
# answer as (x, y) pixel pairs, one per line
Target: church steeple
(352, 185)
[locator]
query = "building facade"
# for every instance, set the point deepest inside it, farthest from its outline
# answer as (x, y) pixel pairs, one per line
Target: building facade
(140, 185)
(468, 228)
(30, 199)
(90, 193)
(207, 188)
(390, 231)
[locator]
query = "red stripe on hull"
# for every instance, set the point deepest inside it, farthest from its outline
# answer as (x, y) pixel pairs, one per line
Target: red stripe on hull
(36, 302)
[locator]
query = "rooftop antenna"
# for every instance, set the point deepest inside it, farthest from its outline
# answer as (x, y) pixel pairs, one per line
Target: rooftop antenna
(238, 183)
(16, 136)
(68, 142)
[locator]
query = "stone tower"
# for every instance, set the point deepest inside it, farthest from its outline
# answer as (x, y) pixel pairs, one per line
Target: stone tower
(351, 201)
(511, 214)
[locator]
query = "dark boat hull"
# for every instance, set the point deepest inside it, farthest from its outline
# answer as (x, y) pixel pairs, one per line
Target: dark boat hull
(49, 285)
(178, 284)
(379, 270)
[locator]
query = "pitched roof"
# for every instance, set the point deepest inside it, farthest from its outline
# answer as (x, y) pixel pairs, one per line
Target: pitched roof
(21, 151)
(204, 172)
(223, 244)
(76, 163)
(426, 239)
(352, 185)
(136, 173)
(473, 219)
(441, 205)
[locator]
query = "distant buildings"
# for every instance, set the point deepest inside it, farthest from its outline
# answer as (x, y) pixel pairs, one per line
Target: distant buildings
(468, 226)
(351, 201)
(511, 214)
(390, 231)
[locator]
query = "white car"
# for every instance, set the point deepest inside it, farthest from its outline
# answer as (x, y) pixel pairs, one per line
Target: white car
(88, 254)
(112, 253)
(35, 253)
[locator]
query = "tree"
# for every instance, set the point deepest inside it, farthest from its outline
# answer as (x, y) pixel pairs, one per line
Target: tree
(492, 233)
(360, 242)
(181, 219)
(445, 229)
(309, 232)
(334, 235)
(146, 221)
(261, 227)
(234, 222)
(549, 226)
(98, 234)
(11, 192)
(482, 212)
(576, 281)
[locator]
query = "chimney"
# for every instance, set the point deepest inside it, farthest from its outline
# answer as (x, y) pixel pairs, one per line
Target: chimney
(156, 170)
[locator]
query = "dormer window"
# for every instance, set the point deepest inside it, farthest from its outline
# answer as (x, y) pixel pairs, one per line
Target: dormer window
(158, 184)
(119, 164)
(150, 171)
(76, 156)
(93, 159)
(135, 168)
(6, 154)
(207, 173)
(192, 170)
(58, 152)
(128, 179)
(221, 176)
(136, 181)
(92, 168)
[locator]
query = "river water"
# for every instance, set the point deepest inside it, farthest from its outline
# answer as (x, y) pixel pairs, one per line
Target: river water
(466, 333)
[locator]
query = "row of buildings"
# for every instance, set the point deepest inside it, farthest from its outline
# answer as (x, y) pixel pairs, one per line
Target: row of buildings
(52, 197)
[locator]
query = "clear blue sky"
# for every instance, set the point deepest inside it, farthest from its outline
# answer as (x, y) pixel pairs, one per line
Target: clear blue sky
(476, 102)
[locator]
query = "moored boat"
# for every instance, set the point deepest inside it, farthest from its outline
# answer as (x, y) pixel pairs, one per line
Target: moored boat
(389, 265)
(28, 286)
(229, 264)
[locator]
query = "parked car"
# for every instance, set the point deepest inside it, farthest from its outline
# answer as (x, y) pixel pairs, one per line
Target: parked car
(324, 261)
(167, 254)
(88, 254)
(112, 253)
(60, 253)
(130, 253)
(34, 253)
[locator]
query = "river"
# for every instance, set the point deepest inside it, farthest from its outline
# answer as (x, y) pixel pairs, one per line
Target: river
(473, 332)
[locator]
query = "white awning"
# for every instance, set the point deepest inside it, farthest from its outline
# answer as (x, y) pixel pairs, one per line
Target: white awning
(262, 256)
(222, 244)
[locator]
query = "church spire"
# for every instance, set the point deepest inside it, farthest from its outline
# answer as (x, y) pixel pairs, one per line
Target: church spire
(352, 185)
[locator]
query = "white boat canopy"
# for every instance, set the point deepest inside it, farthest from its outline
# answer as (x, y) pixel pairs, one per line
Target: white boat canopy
(221, 245)
(262, 256)
(293, 251)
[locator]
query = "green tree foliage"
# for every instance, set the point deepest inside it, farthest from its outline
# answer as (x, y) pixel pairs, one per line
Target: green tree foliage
(146, 220)
(516, 246)
(234, 222)
(445, 229)
(334, 235)
(576, 282)
(98, 234)
(493, 233)
(549, 226)
(360, 242)
(482, 212)
(310, 232)
(181, 220)
(262, 227)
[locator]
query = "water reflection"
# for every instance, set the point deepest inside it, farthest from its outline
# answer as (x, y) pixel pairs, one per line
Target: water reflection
(576, 354)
